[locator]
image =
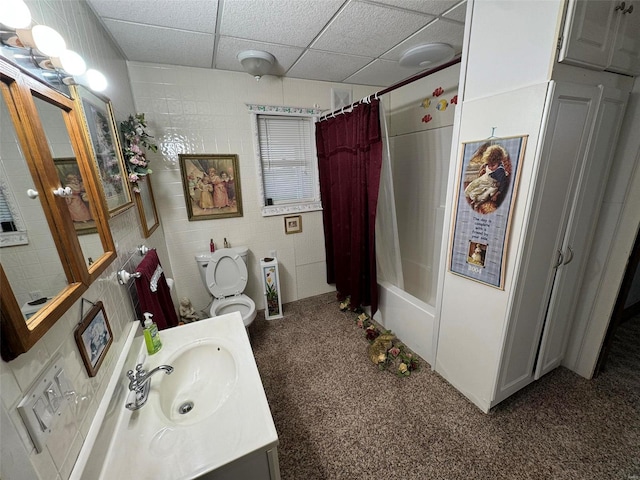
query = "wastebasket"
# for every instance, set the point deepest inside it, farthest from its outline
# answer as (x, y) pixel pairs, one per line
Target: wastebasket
(271, 284)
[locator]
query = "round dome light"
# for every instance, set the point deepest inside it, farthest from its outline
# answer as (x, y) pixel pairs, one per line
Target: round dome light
(48, 41)
(427, 55)
(72, 63)
(15, 14)
(96, 80)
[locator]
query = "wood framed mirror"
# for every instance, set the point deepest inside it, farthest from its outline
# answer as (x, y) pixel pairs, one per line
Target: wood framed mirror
(56, 264)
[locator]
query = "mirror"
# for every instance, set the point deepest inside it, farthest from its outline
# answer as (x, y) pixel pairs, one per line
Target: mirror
(41, 141)
(147, 207)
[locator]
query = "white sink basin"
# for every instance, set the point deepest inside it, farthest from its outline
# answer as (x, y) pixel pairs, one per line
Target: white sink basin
(204, 376)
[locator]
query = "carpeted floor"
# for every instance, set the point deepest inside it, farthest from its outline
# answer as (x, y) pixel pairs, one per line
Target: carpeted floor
(339, 417)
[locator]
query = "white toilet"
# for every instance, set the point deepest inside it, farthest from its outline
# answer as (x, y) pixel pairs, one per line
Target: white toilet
(224, 274)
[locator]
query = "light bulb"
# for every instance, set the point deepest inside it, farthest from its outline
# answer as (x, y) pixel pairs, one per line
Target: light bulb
(71, 62)
(48, 41)
(15, 14)
(97, 81)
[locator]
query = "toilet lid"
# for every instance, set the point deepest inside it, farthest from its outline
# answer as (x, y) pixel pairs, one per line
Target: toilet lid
(226, 274)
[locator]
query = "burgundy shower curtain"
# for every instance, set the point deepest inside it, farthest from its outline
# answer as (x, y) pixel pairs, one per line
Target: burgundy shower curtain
(349, 161)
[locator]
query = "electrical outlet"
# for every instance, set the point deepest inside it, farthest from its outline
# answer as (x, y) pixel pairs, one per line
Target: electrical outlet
(35, 295)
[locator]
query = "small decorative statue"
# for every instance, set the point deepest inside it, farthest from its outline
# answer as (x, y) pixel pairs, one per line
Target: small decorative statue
(187, 312)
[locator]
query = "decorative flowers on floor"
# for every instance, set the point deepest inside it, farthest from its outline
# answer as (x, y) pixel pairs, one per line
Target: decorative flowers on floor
(135, 141)
(384, 350)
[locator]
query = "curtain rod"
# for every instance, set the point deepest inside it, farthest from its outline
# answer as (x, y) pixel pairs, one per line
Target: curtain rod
(407, 81)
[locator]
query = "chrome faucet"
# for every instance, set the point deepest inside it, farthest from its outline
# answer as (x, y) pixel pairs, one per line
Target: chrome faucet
(139, 383)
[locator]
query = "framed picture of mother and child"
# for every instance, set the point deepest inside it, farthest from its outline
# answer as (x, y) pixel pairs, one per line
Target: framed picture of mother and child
(487, 187)
(211, 186)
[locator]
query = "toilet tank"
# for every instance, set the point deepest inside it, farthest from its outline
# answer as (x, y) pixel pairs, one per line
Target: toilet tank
(202, 259)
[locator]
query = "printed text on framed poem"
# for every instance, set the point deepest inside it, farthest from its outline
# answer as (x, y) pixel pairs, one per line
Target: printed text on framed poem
(486, 191)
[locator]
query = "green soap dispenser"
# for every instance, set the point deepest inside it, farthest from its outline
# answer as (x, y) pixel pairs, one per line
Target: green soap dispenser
(151, 334)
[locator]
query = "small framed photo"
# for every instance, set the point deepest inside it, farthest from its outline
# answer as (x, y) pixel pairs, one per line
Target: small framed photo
(293, 224)
(94, 338)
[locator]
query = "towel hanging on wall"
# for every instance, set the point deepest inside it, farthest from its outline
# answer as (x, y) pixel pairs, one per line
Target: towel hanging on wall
(157, 302)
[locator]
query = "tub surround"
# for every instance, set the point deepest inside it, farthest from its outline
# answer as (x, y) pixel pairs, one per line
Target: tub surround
(235, 437)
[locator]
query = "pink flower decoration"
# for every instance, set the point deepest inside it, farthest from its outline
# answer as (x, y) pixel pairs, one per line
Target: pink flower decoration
(395, 351)
(454, 100)
(438, 91)
(427, 118)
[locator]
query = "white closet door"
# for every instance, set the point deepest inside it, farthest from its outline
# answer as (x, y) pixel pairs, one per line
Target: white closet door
(581, 224)
(626, 52)
(564, 140)
(589, 35)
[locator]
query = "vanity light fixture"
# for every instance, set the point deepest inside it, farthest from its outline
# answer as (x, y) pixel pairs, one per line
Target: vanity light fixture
(70, 62)
(96, 80)
(44, 39)
(256, 62)
(15, 14)
(423, 56)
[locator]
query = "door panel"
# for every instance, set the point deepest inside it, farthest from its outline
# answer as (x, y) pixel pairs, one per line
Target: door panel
(581, 224)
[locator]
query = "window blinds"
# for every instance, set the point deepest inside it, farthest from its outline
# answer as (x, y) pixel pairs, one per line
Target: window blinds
(287, 156)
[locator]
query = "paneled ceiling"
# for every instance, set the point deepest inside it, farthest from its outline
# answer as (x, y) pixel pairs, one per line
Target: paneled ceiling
(351, 41)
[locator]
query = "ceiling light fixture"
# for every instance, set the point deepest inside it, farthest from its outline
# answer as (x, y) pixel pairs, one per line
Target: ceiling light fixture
(427, 55)
(256, 62)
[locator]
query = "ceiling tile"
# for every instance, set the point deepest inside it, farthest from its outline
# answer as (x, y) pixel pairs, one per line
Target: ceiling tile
(441, 31)
(356, 30)
(432, 7)
(229, 47)
(146, 43)
(382, 73)
(195, 15)
(459, 13)
(331, 67)
(287, 22)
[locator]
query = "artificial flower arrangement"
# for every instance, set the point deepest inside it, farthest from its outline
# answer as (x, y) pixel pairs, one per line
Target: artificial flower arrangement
(136, 140)
(384, 350)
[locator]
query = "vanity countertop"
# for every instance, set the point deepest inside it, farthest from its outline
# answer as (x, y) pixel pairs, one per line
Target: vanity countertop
(147, 444)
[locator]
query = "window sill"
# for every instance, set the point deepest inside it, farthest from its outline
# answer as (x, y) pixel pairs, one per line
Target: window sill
(273, 210)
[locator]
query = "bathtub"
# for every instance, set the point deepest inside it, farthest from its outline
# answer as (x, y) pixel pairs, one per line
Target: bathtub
(410, 319)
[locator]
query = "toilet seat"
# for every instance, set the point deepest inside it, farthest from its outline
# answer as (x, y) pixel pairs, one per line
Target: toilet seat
(226, 279)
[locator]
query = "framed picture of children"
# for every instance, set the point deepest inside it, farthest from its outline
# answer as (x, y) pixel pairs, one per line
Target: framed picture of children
(93, 337)
(77, 200)
(211, 186)
(487, 186)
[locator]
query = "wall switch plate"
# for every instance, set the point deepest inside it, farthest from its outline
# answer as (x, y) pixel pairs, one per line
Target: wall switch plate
(44, 402)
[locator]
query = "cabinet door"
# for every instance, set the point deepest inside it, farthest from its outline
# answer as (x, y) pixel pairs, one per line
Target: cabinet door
(580, 228)
(626, 52)
(589, 33)
(565, 135)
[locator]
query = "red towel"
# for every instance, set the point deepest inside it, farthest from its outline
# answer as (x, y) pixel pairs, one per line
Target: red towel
(158, 303)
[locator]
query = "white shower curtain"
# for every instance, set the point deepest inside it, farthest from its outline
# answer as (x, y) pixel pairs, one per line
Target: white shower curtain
(389, 264)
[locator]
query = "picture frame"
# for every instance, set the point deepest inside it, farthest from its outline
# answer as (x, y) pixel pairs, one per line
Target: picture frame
(487, 184)
(94, 337)
(101, 135)
(79, 208)
(293, 224)
(147, 206)
(211, 186)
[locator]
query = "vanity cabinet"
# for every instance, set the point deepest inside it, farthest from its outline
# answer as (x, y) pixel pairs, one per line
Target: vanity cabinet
(603, 35)
(579, 137)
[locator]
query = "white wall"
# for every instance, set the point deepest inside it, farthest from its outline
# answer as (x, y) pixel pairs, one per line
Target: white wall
(77, 24)
(194, 110)
(510, 97)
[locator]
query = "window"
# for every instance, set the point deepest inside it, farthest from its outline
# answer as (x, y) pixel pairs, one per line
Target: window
(288, 165)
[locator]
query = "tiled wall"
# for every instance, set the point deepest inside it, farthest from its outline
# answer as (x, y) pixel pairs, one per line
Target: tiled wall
(74, 20)
(195, 110)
